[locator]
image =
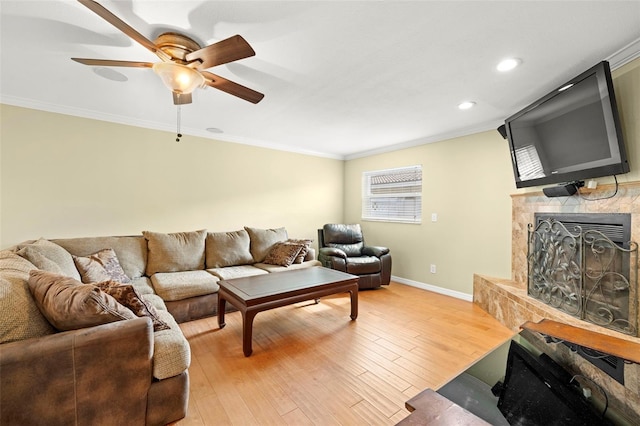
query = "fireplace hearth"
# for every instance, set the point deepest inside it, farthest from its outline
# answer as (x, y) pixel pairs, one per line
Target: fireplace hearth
(585, 265)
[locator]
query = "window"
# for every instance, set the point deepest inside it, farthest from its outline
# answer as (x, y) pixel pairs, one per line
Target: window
(393, 195)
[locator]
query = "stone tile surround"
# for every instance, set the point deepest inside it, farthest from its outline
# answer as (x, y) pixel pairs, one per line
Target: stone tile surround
(507, 299)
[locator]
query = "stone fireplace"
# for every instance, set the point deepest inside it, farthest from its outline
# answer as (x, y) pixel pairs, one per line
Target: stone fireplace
(508, 299)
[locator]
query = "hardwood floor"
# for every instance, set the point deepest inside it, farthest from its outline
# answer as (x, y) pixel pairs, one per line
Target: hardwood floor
(312, 365)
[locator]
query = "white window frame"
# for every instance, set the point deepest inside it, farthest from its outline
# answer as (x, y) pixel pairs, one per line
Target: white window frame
(395, 197)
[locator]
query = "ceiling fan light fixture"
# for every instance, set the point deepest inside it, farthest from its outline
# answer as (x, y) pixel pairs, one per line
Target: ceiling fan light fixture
(178, 78)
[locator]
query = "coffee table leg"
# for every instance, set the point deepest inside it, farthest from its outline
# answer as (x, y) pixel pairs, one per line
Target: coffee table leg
(354, 303)
(221, 307)
(247, 332)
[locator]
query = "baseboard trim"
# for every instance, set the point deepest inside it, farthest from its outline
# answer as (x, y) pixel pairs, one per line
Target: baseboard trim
(435, 289)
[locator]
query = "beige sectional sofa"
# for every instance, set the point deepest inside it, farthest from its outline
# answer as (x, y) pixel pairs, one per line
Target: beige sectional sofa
(132, 366)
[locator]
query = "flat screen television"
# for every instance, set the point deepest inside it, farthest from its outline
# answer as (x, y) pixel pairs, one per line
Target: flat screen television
(537, 392)
(569, 135)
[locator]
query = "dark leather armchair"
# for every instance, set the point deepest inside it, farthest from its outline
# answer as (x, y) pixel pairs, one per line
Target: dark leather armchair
(342, 247)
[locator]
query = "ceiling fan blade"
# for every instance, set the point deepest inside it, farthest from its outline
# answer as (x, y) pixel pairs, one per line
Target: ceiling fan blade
(111, 63)
(181, 98)
(222, 52)
(105, 14)
(232, 88)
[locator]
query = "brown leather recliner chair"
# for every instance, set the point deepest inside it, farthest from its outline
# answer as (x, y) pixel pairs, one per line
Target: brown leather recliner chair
(342, 247)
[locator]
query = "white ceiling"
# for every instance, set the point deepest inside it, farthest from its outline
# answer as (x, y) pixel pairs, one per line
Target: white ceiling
(341, 79)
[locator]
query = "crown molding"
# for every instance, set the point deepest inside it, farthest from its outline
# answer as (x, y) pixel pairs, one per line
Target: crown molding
(482, 127)
(625, 55)
(128, 121)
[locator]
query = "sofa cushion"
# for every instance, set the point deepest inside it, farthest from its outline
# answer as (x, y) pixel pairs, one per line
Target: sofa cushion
(175, 252)
(21, 318)
(277, 268)
(100, 266)
(263, 239)
(241, 271)
(54, 253)
(155, 300)
(12, 262)
(363, 265)
(228, 249)
(173, 286)
(127, 296)
(131, 250)
(171, 351)
(143, 285)
(69, 304)
(282, 254)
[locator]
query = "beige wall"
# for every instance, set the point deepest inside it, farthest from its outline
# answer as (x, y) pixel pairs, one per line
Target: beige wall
(63, 176)
(467, 182)
(626, 81)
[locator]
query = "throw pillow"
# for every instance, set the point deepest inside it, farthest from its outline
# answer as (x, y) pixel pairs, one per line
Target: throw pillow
(282, 254)
(129, 297)
(57, 254)
(228, 249)
(69, 304)
(175, 252)
(263, 239)
(101, 266)
(306, 244)
(39, 260)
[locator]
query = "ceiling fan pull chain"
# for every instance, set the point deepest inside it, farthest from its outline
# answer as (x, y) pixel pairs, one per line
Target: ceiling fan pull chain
(179, 135)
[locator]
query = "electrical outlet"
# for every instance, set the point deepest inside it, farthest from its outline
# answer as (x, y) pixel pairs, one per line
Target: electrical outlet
(434, 217)
(433, 269)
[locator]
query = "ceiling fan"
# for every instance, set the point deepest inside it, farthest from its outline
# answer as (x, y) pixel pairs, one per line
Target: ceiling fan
(184, 62)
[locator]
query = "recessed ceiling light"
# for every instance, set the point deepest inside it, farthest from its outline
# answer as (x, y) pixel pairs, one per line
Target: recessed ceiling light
(214, 130)
(508, 64)
(466, 105)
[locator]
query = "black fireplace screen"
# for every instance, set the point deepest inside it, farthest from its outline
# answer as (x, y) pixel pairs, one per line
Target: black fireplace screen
(578, 269)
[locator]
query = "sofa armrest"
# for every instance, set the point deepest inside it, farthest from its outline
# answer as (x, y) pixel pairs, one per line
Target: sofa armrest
(376, 251)
(96, 375)
(332, 251)
(334, 258)
(311, 254)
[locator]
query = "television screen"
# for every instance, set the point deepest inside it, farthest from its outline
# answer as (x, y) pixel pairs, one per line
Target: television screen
(569, 135)
(537, 392)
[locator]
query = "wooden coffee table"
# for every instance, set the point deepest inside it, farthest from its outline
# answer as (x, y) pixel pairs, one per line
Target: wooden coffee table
(263, 292)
